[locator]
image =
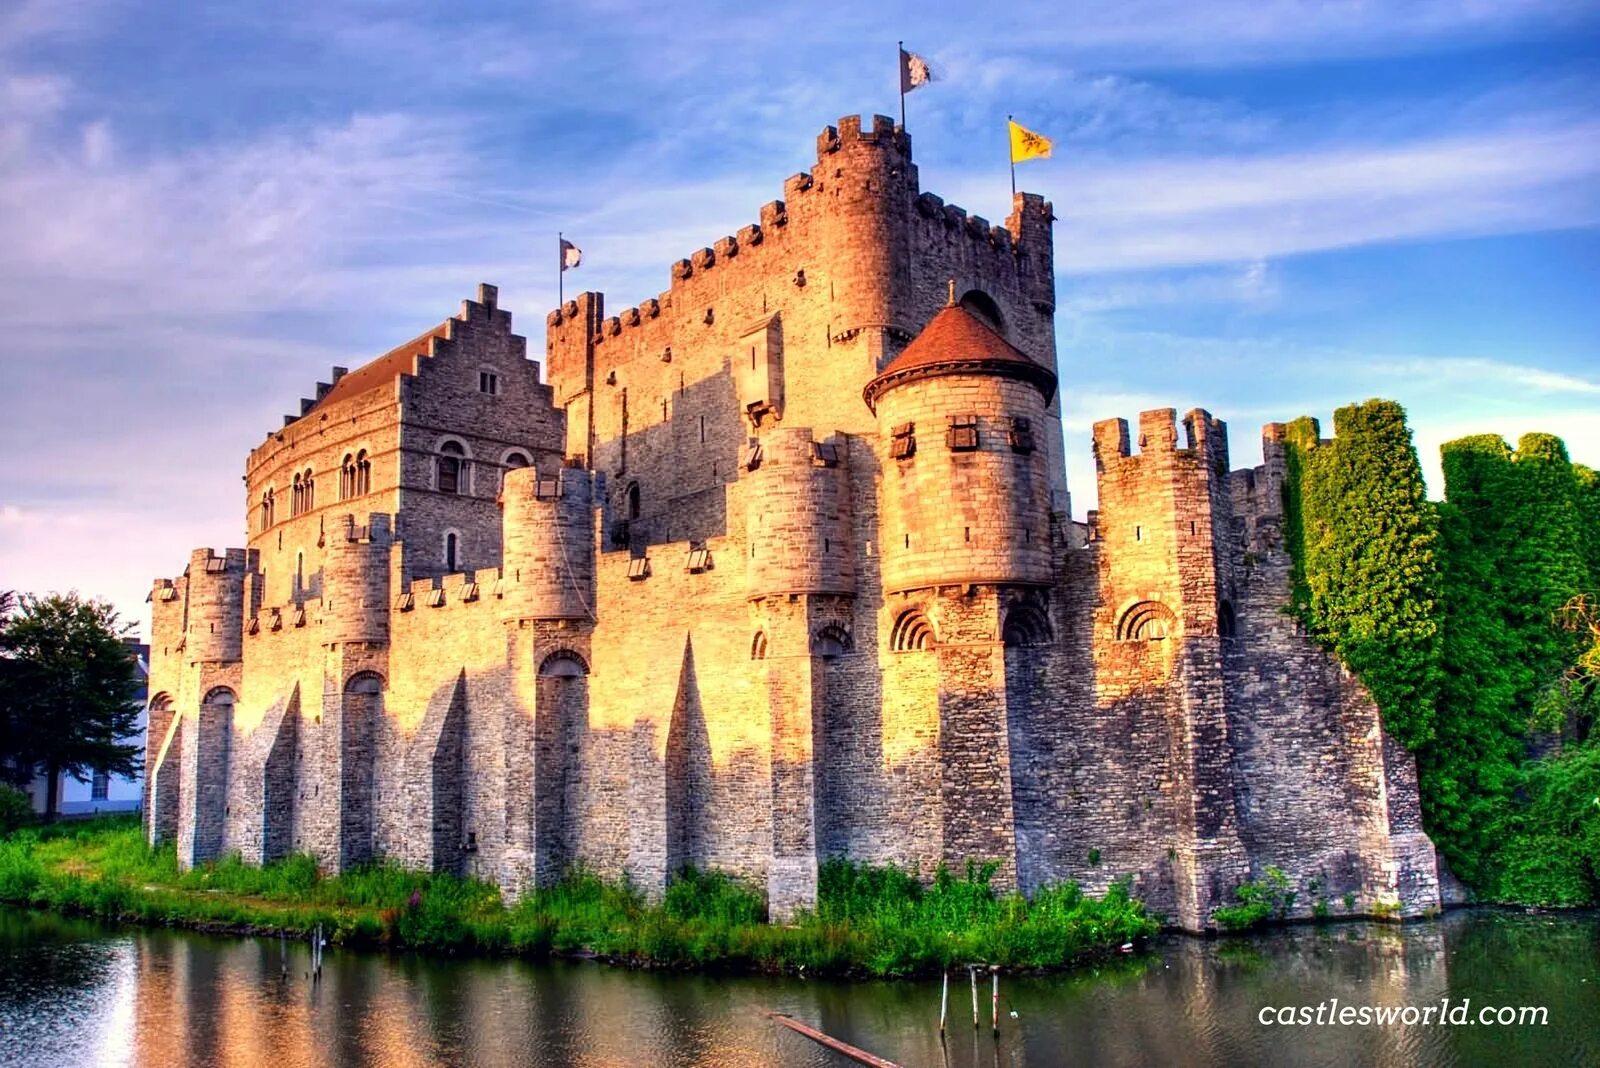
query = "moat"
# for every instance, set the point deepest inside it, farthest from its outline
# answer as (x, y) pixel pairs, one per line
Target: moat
(73, 992)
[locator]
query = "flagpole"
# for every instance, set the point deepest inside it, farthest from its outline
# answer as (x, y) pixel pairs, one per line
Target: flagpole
(900, 78)
(561, 269)
(1011, 153)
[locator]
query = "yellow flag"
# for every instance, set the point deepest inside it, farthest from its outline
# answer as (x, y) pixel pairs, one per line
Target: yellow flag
(1025, 144)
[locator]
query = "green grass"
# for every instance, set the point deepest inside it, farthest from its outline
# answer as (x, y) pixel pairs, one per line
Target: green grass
(878, 921)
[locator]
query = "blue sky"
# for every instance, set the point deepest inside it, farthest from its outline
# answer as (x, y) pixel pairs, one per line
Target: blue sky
(1266, 207)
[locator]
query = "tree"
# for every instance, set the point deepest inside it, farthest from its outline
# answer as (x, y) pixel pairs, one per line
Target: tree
(68, 690)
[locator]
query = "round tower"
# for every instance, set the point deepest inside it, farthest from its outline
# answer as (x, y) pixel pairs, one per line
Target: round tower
(866, 178)
(355, 585)
(548, 537)
(214, 632)
(966, 482)
(798, 516)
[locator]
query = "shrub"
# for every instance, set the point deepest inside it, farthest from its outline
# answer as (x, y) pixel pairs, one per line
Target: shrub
(15, 809)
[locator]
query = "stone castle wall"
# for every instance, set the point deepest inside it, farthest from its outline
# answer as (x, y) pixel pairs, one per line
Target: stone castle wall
(724, 620)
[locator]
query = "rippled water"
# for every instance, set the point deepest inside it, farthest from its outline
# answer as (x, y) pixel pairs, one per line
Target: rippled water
(73, 993)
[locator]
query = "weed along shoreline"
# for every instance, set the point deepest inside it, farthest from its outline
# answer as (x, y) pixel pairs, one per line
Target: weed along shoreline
(870, 922)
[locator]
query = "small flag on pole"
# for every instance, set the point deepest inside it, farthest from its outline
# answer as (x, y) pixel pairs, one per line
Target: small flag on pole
(914, 71)
(914, 74)
(1026, 145)
(572, 255)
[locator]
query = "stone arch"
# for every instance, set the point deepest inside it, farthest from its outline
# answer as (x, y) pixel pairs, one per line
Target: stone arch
(220, 697)
(367, 682)
(1025, 625)
(912, 632)
(984, 307)
(564, 664)
(758, 646)
(831, 641)
(633, 501)
(1147, 621)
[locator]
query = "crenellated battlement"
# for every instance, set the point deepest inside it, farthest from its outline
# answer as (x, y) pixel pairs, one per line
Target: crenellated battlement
(582, 321)
(1205, 437)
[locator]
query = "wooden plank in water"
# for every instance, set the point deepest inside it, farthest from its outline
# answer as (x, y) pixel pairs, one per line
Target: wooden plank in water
(860, 1056)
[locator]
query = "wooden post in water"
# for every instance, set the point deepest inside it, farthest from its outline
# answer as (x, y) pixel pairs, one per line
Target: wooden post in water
(944, 1003)
(972, 973)
(994, 1004)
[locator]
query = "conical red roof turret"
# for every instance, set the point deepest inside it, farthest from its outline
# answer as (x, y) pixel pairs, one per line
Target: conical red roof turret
(957, 342)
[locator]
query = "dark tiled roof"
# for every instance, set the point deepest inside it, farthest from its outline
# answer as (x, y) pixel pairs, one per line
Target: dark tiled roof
(385, 369)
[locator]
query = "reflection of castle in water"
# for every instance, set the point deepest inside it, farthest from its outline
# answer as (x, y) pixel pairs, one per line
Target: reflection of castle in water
(773, 567)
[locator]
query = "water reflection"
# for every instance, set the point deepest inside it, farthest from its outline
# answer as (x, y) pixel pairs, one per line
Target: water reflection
(74, 993)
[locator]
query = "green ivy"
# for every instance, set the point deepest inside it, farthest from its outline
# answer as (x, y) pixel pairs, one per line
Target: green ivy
(1452, 616)
(1365, 544)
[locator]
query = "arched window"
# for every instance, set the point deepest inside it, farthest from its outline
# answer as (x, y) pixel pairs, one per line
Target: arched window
(452, 543)
(266, 510)
(983, 306)
(1147, 621)
(633, 500)
(310, 489)
(347, 477)
(1025, 625)
(272, 507)
(368, 682)
(514, 461)
(831, 641)
(220, 698)
(297, 502)
(758, 647)
(363, 473)
(911, 633)
(563, 664)
(452, 468)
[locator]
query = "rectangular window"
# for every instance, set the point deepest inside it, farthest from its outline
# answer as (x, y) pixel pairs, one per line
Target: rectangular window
(824, 454)
(488, 382)
(100, 787)
(1021, 435)
(963, 433)
(903, 446)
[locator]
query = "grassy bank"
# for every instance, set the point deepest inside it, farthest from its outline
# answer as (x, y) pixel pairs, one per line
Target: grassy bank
(868, 921)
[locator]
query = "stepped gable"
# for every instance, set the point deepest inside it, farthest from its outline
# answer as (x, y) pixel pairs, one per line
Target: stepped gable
(957, 342)
(385, 369)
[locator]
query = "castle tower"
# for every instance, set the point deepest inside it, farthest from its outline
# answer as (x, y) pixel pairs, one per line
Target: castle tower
(869, 180)
(548, 534)
(798, 516)
(1166, 593)
(965, 526)
(210, 673)
(548, 609)
(966, 490)
(355, 603)
(801, 578)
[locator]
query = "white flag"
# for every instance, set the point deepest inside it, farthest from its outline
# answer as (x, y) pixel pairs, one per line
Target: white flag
(571, 255)
(914, 71)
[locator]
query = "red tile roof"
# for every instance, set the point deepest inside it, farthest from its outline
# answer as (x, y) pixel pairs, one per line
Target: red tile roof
(957, 342)
(384, 370)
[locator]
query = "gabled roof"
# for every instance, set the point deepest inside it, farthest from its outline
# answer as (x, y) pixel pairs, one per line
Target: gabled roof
(385, 369)
(957, 342)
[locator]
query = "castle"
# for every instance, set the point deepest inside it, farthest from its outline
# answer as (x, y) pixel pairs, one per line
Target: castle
(773, 567)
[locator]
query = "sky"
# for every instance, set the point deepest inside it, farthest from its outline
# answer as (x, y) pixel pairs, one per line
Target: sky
(1267, 208)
